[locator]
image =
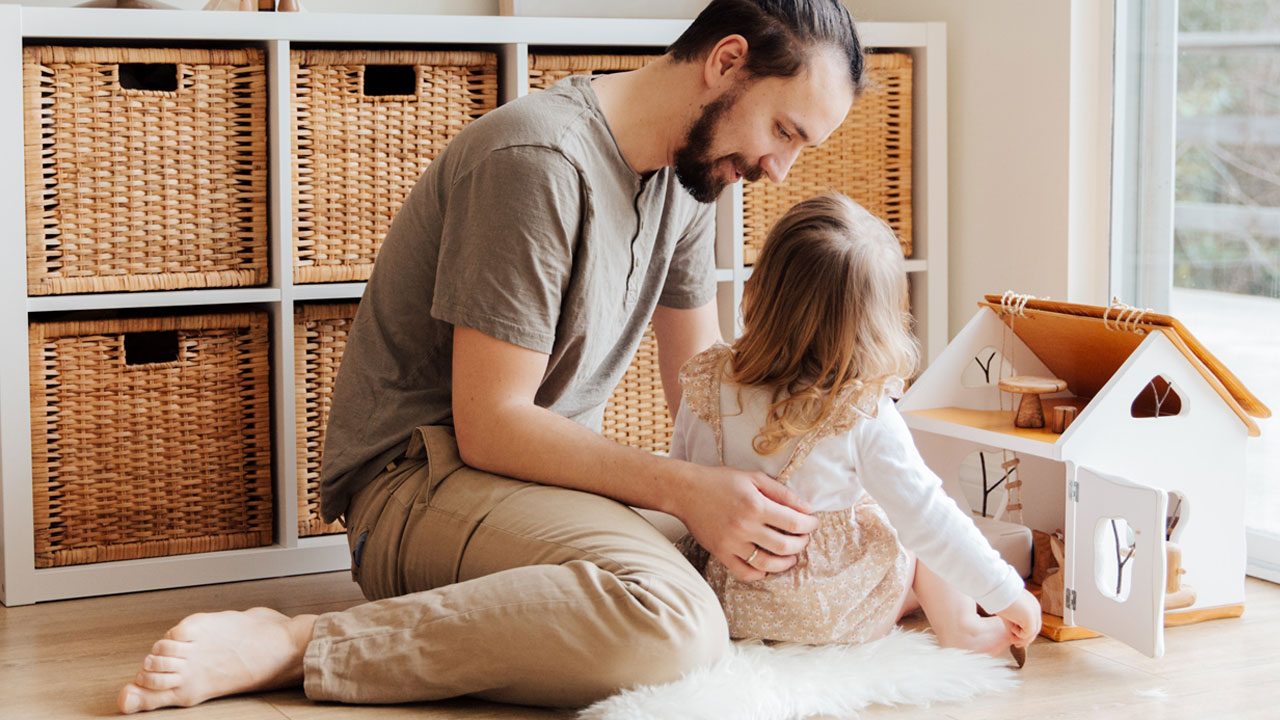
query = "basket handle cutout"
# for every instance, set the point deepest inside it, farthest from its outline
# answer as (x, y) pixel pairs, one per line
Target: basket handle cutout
(148, 76)
(149, 348)
(383, 80)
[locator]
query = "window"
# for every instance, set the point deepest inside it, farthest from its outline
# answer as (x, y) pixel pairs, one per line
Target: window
(1196, 200)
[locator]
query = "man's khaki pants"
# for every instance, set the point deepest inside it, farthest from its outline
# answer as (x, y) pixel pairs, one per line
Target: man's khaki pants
(506, 590)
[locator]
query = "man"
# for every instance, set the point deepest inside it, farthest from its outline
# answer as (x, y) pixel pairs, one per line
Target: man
(487, 517)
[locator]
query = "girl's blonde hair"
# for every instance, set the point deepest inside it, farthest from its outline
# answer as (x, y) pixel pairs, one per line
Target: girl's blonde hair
(825, 310)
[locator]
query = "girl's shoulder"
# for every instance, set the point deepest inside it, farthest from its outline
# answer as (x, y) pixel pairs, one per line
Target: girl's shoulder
(700, 378)
(708, 363)
(862, 401)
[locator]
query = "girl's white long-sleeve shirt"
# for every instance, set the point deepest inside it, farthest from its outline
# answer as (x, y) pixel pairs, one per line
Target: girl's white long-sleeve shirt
(878, 457)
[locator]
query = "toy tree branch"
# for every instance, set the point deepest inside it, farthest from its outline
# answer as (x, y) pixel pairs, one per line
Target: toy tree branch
(1171, 522)
(986, 369)
(1158, 396)
(1120, 563)
(987, 490)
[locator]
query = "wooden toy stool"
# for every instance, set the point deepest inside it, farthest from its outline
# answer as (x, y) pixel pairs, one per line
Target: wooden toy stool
(1031, 387)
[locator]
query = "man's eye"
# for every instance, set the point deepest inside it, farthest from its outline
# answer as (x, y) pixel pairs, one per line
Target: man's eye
(785, 135)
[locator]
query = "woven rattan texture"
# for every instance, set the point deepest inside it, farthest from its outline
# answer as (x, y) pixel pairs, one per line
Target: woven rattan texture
(158, 458)
(636, 413)
(356, 156)
(319, 337)
(144, 189)
(867, 158)
(547, 70)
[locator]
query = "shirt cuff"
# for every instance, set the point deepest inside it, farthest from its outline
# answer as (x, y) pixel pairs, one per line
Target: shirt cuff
(688, 300)
(999, 599)
(499, 328)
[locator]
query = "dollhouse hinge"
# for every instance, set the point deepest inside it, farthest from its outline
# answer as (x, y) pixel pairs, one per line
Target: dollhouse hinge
(1073, 490)
(1069, 598)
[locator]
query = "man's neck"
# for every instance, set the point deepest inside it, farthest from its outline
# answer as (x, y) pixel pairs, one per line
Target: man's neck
(649, 111)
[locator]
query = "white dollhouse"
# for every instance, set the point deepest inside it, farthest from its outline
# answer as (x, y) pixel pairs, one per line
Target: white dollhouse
(1152, 451)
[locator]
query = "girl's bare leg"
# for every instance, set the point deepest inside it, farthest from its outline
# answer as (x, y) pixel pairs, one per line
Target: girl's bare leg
(910, 603)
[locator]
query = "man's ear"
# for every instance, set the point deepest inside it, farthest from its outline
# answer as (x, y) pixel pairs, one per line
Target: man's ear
(725, 62)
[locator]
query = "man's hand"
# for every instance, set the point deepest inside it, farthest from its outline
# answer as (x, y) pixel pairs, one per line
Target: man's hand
(732, 512)
(1022, 619)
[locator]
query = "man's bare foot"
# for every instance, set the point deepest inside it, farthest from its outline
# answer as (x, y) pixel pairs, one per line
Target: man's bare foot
(979, 634)
(209, 655)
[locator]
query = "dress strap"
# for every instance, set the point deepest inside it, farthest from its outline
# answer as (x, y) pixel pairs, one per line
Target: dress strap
(700, 381)
(855, 401)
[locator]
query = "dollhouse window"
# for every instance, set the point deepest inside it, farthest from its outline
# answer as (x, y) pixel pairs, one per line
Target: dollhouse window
(1157, 399)
(1114, 544)
(985, 483)
(986, 368)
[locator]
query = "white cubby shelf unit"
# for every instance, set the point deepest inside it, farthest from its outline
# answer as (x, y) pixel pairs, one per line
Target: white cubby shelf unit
(511, 38)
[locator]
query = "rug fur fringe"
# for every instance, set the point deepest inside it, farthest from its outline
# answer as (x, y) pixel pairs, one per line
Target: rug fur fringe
(788, 682)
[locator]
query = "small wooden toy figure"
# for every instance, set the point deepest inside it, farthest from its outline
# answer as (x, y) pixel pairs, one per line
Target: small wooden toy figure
(1030, 411)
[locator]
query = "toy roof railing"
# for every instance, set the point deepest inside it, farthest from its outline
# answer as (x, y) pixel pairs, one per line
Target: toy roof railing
(1085, 345)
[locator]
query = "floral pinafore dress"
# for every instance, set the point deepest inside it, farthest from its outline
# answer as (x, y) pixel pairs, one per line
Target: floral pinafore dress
(848, 583)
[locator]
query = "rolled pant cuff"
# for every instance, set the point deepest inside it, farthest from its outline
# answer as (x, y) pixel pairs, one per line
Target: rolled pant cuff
(318, 681)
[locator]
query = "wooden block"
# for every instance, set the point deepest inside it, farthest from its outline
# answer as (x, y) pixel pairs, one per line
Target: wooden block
(1188, 617)
(1052, 627)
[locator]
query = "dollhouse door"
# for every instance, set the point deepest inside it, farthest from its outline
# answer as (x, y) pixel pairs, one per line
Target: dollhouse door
(1115, 560)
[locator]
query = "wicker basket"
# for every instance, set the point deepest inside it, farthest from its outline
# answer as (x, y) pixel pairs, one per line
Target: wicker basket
(145, 169)
(366, 124)
(319, 337)
(867, 158)
(636, 413)
(150, 437)
(546, 70)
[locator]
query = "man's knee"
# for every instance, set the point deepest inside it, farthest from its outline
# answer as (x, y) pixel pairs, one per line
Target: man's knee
(704, 639)
(690, 634)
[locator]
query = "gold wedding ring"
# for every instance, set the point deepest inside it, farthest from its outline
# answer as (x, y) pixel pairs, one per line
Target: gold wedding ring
(752, 556)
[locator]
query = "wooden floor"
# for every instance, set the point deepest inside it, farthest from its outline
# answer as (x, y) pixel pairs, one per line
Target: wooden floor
(67, 659)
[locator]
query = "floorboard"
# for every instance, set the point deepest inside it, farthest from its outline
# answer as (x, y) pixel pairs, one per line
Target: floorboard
(67, 659)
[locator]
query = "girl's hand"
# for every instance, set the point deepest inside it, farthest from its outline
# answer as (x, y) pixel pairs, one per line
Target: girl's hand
(733, 512)
(1022, 619)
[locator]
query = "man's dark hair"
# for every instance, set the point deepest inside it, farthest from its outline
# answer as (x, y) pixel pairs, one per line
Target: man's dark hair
(780, 34)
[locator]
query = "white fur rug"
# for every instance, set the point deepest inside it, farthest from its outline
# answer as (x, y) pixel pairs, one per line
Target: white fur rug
(788, 682)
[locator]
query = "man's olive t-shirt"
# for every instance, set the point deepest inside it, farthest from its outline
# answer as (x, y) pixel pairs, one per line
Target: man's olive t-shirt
(531, 228)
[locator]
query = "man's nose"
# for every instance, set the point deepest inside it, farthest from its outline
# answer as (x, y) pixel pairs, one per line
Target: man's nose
(777, 165)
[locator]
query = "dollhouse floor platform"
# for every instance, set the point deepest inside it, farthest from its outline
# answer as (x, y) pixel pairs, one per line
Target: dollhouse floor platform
(997, 421)
(1055, 629)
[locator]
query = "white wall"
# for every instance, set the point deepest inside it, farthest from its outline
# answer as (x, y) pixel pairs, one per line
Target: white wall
(1008, 82)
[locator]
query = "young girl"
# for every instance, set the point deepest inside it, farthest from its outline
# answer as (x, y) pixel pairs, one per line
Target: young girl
(805, 394)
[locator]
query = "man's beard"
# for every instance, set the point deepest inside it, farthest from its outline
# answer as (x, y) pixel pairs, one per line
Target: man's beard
(694, 166)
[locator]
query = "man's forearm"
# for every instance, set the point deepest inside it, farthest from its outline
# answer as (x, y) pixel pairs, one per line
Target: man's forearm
(535, 444)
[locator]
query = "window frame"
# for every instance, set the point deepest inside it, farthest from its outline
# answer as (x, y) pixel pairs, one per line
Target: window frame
(1144, 147)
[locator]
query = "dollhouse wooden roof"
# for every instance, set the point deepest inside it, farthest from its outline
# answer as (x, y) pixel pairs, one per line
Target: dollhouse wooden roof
(1086, 344)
